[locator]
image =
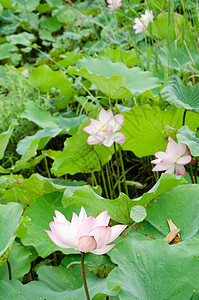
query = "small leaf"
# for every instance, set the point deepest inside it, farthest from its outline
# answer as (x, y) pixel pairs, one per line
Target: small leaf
(24, 38)
(4, 138)
(188, 137)
(30, 152)
(130, 57)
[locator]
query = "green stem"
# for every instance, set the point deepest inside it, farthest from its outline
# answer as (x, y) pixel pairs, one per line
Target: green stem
(46, 165)
(109, 183)
(118, 168)
(184, 116)
(9, 270)
(103, 178)
(190, 174)
(94, 180)
(112, 172)
(55, 258)
(195, 172)
(104, 182)
(123, 171)
(84, 277)
(110, 104)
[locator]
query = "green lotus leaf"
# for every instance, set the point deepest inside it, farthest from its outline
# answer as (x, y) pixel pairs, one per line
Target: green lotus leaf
(115, 80)
(10, 216)
(72, 279)
(177, 57)
(165, 182)
(22, 189)
(35, 290)
(20, 262)
(45, 79)
(145, 128)
(35, 114)
(181, 205)
(180, 96)
(188, 137)
(4, 138)
(118, 209)
(147, 270)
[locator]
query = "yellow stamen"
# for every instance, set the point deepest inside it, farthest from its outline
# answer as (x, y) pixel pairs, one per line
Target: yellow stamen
(104, 128)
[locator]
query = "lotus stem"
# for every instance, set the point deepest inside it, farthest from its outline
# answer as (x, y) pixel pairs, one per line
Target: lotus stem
(184, 116)
(46, 165)
(118, 168)
(84, 277)
(103, 178)
(123, 171)
(195, 172)
(109, 182)
(9, 270)
(191, 176)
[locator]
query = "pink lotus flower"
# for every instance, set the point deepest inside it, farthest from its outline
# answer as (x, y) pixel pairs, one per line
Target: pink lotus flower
(105, 130)
(86, 234)
(114, 4)
(142, 23)
(174, 159)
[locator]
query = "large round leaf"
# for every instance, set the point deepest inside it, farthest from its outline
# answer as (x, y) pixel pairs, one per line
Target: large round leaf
(72, 279)
(35, 290)
(154, 270)
(180, 96)
(115, 80)
(10, 216)
(181, 205)
(24, 189)
(119, 208)
(145, 128)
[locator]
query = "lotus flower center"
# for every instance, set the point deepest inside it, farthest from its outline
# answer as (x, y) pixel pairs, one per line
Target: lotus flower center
(104, 128)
